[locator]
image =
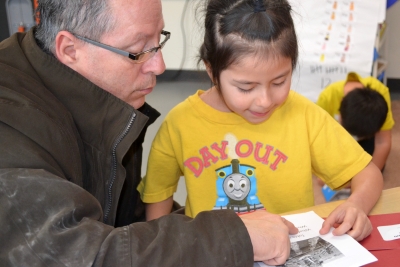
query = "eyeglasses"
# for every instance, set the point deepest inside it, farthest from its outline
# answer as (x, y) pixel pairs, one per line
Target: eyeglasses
(137, 58)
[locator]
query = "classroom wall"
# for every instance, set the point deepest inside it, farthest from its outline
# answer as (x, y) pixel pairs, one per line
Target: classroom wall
(181, 51)
(180, 19)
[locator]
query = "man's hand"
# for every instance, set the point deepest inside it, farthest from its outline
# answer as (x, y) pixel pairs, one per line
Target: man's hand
(269, 234)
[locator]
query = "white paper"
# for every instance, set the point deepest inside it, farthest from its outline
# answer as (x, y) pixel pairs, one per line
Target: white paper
(389, 232)
(308, 248)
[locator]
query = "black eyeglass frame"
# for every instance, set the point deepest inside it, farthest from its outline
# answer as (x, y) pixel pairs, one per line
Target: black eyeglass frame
(134, 57)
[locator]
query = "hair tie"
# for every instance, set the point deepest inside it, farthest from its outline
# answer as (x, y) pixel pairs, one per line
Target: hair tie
(259, 6)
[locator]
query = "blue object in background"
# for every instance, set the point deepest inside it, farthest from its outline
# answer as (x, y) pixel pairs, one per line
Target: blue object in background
(328, 193)
(381, 77)
(389, 3)
(376, 54)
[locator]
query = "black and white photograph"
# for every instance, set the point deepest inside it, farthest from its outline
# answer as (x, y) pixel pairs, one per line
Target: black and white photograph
(311, 253)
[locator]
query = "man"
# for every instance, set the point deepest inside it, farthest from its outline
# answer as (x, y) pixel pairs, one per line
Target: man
(72, 121)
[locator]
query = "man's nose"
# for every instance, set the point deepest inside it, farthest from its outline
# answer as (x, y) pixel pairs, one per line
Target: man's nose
(155, 64)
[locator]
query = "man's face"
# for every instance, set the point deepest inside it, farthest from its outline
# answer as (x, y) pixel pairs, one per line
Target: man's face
(139, 24)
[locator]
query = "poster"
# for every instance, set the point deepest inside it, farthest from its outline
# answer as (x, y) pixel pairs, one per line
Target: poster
(335, 37)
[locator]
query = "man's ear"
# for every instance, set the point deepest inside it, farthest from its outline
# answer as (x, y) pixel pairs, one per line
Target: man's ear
(66, 47)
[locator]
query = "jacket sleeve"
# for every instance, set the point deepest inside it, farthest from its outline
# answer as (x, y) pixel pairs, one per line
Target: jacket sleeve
(48, 221)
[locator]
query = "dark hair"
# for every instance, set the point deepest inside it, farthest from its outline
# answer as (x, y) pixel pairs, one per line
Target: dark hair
(363, 112)
(236, 28)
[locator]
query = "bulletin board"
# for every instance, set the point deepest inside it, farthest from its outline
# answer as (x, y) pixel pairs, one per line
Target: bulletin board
(335, 37)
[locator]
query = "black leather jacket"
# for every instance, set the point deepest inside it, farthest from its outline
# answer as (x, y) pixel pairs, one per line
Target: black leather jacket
(70, 157)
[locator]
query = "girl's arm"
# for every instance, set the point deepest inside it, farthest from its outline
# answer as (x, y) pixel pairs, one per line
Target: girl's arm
(383, 143)
(351, 216)
(158, 209)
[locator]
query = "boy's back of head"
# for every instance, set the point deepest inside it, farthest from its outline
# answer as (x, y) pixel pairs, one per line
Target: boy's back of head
(363, 112)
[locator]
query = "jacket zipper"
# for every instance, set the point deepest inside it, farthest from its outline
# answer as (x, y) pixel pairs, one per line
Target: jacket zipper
(114, 166)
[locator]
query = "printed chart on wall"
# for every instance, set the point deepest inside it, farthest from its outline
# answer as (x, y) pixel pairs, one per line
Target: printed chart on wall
(335, 37)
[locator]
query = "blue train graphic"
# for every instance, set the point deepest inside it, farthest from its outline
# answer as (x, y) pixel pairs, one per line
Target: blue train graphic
(237, 188)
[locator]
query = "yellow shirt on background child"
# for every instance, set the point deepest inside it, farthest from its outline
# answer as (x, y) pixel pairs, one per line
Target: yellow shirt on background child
(331, 97)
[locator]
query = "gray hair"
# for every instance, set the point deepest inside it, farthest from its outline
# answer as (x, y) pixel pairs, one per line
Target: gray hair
(88, 18)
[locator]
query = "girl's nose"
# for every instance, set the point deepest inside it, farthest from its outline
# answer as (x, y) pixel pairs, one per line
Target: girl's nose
(263, 100)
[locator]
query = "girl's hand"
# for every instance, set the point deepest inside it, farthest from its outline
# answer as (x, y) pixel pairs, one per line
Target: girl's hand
(349, 219)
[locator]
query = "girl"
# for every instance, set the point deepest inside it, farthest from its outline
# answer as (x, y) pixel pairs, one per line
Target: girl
(249, 142)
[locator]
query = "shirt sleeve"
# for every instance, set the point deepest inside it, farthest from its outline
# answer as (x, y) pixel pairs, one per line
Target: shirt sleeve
(336, 155)
(323, 101)
(329, 99)
(163, 171)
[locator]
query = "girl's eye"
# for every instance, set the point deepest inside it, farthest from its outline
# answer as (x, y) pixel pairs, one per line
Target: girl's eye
(279, 83)
(245, 91)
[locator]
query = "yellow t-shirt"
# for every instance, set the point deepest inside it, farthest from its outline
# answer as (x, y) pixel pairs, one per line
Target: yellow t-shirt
(277, 157)
(331, 97)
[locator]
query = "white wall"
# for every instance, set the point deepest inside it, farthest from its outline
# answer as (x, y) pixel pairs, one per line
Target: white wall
(183, 46)
(174, 51)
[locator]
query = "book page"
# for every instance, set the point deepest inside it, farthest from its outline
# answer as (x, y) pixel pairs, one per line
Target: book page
(309, 248)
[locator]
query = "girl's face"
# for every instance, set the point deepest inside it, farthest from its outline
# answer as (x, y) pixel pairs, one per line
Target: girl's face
(255, 87)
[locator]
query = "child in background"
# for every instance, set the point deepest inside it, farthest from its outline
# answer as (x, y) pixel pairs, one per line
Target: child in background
(363, 107)
(249, 142)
